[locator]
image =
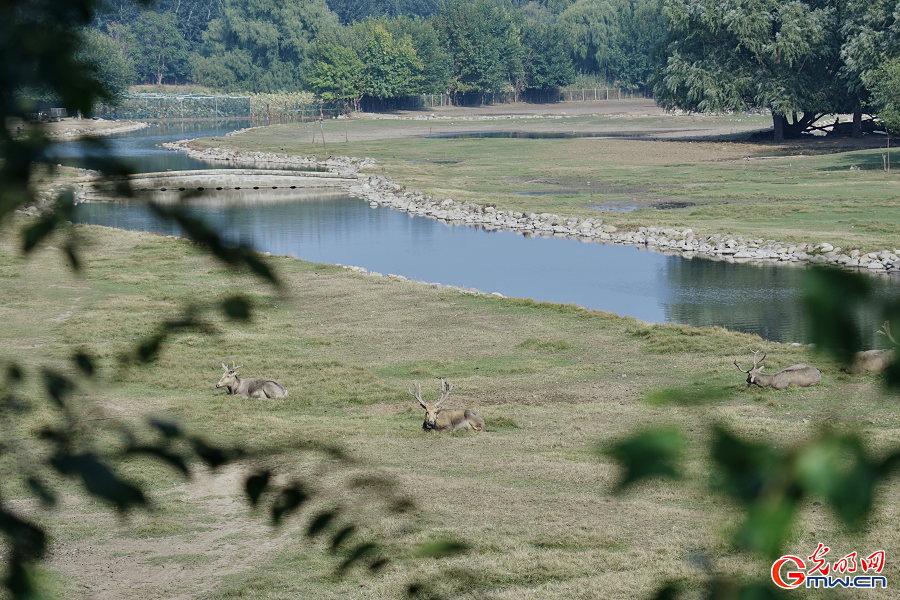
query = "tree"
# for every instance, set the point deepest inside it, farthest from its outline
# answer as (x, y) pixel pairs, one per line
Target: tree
(484, 43)
(260, 45)
(335, 72)
(885, 90)
(546, 60)
(871, 31)
(351, 11)
(736, 55)
(114, 69)
(192, 17)
(436, 62)
(157, 47)
(614, 38)
(391, 65)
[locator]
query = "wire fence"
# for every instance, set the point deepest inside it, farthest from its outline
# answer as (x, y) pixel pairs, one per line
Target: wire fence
(423, 101)
(302, 106)
(176, 106)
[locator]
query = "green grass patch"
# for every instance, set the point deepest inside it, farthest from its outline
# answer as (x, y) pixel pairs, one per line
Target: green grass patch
(545, 346)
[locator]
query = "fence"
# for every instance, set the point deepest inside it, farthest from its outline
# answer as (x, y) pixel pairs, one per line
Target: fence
(599, 93)
(296, 107)
(176, 106)
(423, 101)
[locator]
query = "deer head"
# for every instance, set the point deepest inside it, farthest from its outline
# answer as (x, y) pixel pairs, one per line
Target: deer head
(753, 371)
(229, 378)
(431, 410)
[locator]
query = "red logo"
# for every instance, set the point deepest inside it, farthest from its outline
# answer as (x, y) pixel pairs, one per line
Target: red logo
(848, 572)
(797, 577)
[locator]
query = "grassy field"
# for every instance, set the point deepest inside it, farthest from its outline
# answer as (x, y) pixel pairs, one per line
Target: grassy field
(680, 171)
(531, 497)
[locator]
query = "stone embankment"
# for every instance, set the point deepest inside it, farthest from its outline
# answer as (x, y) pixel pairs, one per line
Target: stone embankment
(381, 190)
(341, 165)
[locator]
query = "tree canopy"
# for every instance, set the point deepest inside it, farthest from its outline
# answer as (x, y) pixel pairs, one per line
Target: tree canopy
(614, 38)
(484, 43)
(458, 45)
(260, 45)
(737, 55)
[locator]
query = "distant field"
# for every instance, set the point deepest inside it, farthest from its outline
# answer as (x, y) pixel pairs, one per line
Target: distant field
(667, 170)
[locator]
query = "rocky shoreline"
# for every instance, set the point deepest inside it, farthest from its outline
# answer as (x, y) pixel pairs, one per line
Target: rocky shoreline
(381, 190)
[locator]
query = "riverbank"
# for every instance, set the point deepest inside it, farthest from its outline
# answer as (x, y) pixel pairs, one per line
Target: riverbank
(70, 128)
(382, 190)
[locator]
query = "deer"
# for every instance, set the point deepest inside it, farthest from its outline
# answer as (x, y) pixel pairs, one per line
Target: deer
(249, 387)
(801, 375)
(874, 361)
(446, 421)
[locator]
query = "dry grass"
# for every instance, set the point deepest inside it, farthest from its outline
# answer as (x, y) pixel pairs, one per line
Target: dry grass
(531, 496)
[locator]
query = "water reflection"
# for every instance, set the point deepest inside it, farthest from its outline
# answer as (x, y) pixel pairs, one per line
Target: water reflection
(626, 280)
(142, 150)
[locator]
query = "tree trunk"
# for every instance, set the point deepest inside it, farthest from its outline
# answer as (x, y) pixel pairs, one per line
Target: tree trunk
(778, 125)
(857, 122)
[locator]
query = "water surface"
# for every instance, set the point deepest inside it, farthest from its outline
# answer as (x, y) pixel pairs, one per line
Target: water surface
(141, 149)
(627, 280)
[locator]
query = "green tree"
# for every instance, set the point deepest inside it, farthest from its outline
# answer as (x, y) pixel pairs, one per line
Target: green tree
(736, 55)
(484, 43)
(192, 17)
(114, 69)
(884, 85)
(546, 59)
(392, 68)
(157, 48)
(614, 38)
(871, 31)
(351, 11)
(335, 72)
(436, 62)
(260, 45)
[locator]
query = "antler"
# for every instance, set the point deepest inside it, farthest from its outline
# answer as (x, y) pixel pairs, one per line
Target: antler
(418, 394)
(739, 368)
(446, 388)
(224, 367)
(886, 331)
(235, 368)
(756, 361)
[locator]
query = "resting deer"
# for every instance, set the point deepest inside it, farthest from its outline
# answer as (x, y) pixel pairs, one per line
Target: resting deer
(874, 361)
(801, 375)
(445, 421)
(249, 387)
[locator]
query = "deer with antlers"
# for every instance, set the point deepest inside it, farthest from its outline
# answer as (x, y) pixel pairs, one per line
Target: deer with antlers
(801, 375)
(874, 361)
(445, 421)
(249, 387)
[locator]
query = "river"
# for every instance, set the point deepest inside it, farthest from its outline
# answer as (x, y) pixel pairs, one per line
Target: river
(334, 228)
